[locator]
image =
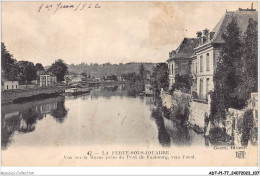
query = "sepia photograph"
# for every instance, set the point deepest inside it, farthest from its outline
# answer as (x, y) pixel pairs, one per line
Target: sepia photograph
(143, 83)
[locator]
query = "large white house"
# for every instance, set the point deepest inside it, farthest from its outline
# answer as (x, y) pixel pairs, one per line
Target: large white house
(208, 50)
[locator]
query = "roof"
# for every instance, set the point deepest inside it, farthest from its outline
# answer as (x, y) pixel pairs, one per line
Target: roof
(44, 73)
(242, 21)
(3, 79)
(185, 49)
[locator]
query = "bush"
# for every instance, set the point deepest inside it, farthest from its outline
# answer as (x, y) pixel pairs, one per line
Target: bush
(247, 126)
(166, 112)
(218, 135)
(181, 109)
(182, 83)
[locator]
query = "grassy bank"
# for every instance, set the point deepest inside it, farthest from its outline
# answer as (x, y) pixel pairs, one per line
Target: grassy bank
(11, 96)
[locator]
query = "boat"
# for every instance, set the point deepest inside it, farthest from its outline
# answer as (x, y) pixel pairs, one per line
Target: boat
(77, 90)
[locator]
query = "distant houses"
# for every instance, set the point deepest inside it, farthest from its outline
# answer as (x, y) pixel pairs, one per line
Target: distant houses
(43, 79)
(198, 57)
(9, 85)
(46, 79)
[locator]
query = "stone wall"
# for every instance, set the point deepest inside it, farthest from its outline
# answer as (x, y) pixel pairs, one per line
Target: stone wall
(166, 99)
(198, 110)
(233, 125)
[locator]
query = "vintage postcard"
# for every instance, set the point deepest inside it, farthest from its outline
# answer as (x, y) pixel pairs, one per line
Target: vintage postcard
(129, 83)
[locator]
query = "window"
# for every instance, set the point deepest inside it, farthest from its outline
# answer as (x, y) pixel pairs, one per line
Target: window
(207, 85)
(201, 64)
(12, 86)
(7, 87)
(172, 69)
(177, 68)
(16, 86)
(201, 87)
(196, 67)
(207, 61)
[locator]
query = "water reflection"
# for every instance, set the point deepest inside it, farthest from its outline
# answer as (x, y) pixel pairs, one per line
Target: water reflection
(107, 114)
(26, 115)
(163, 136)
(60, 112)
(173, 133)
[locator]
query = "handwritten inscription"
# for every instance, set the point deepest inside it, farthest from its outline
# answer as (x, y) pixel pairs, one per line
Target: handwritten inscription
(54, 7)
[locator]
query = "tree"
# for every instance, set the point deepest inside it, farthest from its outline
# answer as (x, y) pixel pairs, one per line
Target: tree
(84, 74)
(251, 54)
(182, 83)
(227, 75)
(142, 71)
(160, 77)
(59, 69)
(27, 72)
(8, 64)
(249, 70)
(39, 67)
(142, 75)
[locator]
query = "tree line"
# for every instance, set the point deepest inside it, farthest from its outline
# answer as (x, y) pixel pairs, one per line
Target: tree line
(158, 78)
(25, 71)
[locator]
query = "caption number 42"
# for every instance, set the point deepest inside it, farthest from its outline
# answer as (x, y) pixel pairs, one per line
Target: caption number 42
(89, 153)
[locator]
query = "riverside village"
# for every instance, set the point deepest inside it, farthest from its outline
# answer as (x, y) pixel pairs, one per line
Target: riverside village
(204, 93)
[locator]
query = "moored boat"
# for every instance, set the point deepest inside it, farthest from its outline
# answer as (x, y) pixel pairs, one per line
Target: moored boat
(76, 90)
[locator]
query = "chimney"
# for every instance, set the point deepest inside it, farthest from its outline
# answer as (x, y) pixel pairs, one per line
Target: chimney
(205, 32)
(211, 34)
(199, 33)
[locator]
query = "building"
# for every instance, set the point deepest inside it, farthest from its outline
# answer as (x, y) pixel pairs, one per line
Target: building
(46, 79)
(179, 59)
(208, 50)
(9, 85)
(78, 78)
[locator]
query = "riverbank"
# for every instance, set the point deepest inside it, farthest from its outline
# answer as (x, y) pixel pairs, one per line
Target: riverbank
(11, 96)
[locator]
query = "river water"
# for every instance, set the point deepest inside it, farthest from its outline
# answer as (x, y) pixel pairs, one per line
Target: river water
(105, 116)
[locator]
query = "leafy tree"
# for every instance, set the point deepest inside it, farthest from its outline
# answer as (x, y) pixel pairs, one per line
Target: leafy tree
(251, 53)
(84, 74)
(8, 64)
(227, 75)
(142, 75)
(248, 72)
(39, 67)
(27, 72)
(59, 69)
(142, 71)
(182, 83)
(160, 77)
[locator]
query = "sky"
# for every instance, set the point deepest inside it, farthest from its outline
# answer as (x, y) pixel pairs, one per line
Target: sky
(116, 32)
